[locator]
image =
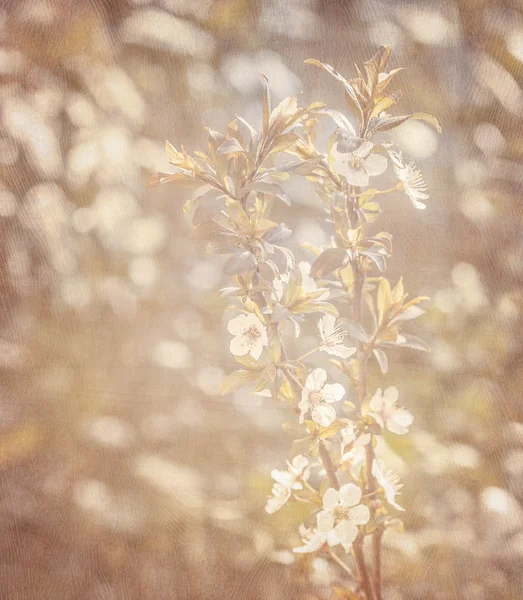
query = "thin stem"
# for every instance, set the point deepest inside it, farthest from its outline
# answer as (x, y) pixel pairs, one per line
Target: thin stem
(362, 359)
(307, 354)
(329, 466)
(362, 569)
(343, 565)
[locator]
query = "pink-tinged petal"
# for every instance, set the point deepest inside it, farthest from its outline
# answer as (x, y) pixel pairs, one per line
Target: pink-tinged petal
(237, 325)
(390, 396)
(345, 533)
(325, 521)
(316, 380)
(238, 346)
(360, 514)
(332, 392)
(375, 164)
(376, 402)
(330, 499)
(350, 495)
(323, 414)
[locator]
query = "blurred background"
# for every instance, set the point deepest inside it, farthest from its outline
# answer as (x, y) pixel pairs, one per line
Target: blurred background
(123, 473)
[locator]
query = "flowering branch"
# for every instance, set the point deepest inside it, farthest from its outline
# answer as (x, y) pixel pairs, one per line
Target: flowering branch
(238, 183)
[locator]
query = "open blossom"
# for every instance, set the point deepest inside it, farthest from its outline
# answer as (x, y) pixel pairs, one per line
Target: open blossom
(388, 481)
(411, 179)
(286, 481)
(333, 338)
(385, 411)
(250, 335)
(317, 396)
(358, 166)
(338, 522)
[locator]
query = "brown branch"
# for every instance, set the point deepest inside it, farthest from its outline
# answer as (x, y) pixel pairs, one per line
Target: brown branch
(329, 466)
(362, 569)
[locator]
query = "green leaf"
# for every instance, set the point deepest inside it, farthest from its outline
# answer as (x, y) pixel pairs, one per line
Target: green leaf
(384, 298)
(346, 84)
(303, 446)
(331, 430)
(231, 145)
(415, 343)
(239, 263)
(382, 359)
(355, 330)
(238, 379)
(328, 261)
(392, 122)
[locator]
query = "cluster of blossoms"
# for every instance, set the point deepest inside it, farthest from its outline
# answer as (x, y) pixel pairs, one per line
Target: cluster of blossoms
(334, 465)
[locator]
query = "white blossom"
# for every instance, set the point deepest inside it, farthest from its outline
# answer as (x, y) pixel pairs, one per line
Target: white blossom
(338, 522)
(312, 539)
(317, 396)
(385, 411)
(411, 179)
(333, 337)
(359, 165)
(388, 481)
(286, 481)
(250, 335)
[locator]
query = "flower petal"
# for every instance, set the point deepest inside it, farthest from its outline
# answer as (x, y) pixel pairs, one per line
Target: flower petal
(299, 463)
(316, 380)
(356, 176)
(344, 533)
(325, 521)
(323, 414)
(303, 405)
(390, 396)
(330, 499)
(256, 348)
(237, 325)
(239, 346)
(350, 495)
(376, 402)
(375, 164)
(314, 542)
(360, 514)
(332, 392)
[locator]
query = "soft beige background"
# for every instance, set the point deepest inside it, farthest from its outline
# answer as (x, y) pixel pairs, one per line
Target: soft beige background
(123, 473)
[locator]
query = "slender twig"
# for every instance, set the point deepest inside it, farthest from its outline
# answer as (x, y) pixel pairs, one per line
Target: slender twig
(362, 569)
(307, 354)
(343, 565)
(329, 465)
(362, 359)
